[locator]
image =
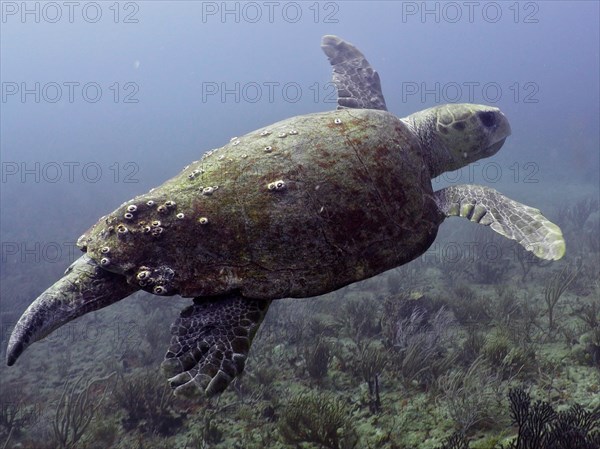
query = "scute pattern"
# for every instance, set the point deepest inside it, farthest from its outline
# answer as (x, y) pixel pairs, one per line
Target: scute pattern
(344, 196)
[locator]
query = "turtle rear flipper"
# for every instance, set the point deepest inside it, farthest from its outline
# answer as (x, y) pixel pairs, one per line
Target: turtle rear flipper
(507, 217)
(210, 343)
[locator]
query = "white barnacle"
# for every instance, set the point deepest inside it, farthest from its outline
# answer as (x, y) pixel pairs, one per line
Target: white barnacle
(105, 261)
(203, 220)
(276, 185)
(146, 229)
(266, 132)
(143, 275)
(180, 215)
(191, 176)
(159, 290)
(337, 121)
(221, 157)
(131, 208)
(268, 149)
(236, 142)
(281, 135)
(157, 231)
(128, 216)
(244, 156)
(105, 250)
(170, 204)
(292, 132)
(156, 223)
(207, 191)
(122, 229)
(162, 209)
(150, 203)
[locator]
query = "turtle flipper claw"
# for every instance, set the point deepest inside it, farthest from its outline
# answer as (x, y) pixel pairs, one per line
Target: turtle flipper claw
(210, 343)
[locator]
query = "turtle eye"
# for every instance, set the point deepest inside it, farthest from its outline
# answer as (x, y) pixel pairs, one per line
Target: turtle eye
(487, 118)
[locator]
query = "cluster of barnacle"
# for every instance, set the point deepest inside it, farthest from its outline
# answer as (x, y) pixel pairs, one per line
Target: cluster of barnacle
(105, 261)
(154, 228)
(276, 185)
(195, 172)
(159, 278)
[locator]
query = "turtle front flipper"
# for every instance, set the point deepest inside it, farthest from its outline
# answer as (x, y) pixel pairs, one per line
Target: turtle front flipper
(85, 287)
(210, 343)
(507, 217)
(357, 83)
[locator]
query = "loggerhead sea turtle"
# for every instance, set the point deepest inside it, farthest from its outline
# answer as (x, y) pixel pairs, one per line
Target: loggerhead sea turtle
(297, 209)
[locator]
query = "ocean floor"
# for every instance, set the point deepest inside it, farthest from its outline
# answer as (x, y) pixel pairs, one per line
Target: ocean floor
(449, 345)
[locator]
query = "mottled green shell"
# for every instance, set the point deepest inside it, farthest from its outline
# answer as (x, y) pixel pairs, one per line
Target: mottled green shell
(296, 209)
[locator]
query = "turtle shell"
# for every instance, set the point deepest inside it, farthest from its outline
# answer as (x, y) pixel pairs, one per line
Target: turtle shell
(296, 209)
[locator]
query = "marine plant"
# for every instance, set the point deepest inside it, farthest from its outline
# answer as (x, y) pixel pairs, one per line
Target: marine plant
(75, 410)
(527, 261)
(358, 319)
(556, 286)
(15, 415)
(503, 351)
(468, 308)
(317, 359)
(588, 312)
(541, 427)
(371, 360)
(421, 346)
(470, 397)
(457, 440)
(320, 418)
(145, 398)
(578, 213)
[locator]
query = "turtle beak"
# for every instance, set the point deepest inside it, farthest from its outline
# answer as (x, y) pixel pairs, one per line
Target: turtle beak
(499, 131)
(84, 287)
(493, 149)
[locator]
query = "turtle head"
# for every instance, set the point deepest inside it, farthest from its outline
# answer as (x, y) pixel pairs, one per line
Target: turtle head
(454, 135)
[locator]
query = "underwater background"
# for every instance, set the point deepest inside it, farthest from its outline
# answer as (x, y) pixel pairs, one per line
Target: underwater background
(467, 346)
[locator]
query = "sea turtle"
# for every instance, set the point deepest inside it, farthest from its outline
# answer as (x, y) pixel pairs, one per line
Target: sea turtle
(297, 209)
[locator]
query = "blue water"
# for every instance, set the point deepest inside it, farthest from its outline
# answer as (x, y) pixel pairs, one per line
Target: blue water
(103, 101)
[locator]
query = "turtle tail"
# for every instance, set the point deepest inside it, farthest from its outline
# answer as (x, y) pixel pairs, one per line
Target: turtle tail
(84, 287)
(507, 217)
